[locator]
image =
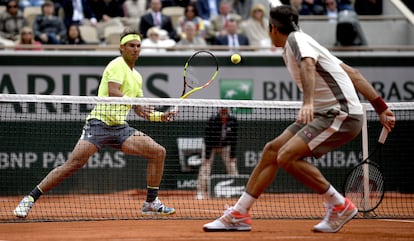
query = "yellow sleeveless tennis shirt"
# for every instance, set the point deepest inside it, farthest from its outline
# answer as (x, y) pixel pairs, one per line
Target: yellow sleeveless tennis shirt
(131, 86)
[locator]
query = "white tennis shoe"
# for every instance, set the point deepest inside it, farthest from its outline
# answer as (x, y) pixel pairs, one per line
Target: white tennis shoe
(230, 221)
(336, 217)
(156, 208)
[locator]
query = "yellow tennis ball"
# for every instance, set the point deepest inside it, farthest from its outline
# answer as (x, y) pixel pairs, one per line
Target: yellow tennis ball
(235, 58)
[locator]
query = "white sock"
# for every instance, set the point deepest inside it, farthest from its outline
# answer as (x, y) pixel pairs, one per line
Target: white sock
(332, 196)
(244, 203)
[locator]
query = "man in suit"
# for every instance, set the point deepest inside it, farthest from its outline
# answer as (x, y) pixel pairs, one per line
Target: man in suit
(78, 12)
(218, 23)
(232, 39)
(156, 19)
(207, 9)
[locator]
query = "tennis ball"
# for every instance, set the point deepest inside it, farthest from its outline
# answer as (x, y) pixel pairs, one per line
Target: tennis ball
(235, 58)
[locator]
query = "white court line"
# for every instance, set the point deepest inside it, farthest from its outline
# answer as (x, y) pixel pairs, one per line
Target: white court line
(397, 220)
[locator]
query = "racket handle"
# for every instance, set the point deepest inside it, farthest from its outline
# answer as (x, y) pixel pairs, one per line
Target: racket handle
(383, 135)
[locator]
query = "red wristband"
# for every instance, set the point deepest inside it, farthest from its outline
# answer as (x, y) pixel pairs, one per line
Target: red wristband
(379, 105)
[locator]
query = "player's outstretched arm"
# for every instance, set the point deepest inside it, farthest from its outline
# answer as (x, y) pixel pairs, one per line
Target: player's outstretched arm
(387, 117)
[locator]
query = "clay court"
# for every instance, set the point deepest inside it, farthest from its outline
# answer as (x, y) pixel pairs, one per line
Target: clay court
(191, 230)
(53, 218)
(103, 204)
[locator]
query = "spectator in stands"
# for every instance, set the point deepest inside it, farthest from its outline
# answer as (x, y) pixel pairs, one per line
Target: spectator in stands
(191, 38)
(218, 24)
(106, 9)
(190, 15)
(73, 35)
(243, 8)
(368, 7)
(207, 9)
(27, 38)
(48, 28)
(133, 11)
(156, 19)
(30, 3)
(331, 10)
(316, 6)
(157, 41)
(345, 5)
(307, 7)
(11, 22)
(256, 27)
(78, 12)
(348, 30)
(108, 13)
(233, 39)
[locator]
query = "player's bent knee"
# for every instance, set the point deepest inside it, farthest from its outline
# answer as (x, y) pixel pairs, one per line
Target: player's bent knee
(161, 152)
(285, 159)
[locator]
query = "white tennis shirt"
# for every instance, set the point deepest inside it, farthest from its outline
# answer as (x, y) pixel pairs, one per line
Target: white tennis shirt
(333, 88)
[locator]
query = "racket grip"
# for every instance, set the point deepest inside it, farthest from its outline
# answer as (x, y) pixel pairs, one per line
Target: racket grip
(383, 135)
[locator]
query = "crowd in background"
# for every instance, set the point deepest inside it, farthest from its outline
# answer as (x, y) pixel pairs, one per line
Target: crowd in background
(230, 23)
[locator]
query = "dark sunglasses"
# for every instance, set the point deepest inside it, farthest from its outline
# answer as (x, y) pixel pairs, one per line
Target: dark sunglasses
(12, 6)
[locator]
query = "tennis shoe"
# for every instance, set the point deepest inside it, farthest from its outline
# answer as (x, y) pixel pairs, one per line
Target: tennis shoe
(22, 210)
(336, 217)
(231, 220)
(156, 208)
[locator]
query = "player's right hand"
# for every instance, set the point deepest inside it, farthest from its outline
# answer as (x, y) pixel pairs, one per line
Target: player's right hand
(387, 119)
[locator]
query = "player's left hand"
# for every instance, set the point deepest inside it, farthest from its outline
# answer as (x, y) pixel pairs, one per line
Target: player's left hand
(144, 111)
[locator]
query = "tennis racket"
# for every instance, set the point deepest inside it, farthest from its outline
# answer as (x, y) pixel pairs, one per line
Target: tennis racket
(364, 184)
(200, 70)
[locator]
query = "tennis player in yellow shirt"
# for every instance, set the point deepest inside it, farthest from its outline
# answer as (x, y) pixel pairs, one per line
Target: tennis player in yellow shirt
(106, 126)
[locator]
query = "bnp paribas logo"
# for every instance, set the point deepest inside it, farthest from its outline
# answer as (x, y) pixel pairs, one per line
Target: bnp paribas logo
(237, 89)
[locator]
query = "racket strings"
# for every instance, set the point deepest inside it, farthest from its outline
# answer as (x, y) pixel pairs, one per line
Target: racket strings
(365, 180)
(191, 77)
(200, 69)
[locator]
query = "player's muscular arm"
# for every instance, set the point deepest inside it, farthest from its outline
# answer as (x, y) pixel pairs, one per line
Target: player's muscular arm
(361, 84)
(307, 75)
(114, 89)
(387, 117)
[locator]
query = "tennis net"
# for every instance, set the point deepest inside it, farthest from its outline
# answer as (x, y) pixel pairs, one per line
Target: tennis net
(39, 132)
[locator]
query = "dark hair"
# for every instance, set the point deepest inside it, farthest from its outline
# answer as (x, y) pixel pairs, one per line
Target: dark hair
(284, 18)
(193, 5)
(78, 40)
(129, 31)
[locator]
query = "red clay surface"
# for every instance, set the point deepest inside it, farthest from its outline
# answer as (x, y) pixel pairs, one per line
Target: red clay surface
(275, 217)
(191, 230)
